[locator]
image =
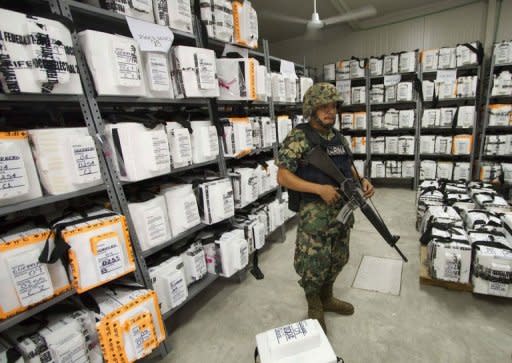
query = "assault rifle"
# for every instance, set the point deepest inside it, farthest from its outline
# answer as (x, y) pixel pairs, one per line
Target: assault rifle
(319, 159)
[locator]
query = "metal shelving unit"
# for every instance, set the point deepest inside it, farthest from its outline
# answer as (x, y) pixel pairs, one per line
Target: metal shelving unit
(493, 130)
(468, 70)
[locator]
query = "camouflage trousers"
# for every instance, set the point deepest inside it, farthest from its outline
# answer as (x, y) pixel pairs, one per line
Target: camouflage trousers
(322, 246)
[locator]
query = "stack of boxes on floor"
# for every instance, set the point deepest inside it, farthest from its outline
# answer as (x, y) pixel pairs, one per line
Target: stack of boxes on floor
(86, 249)
(498, 139)
(391, 86)
(446, 132)
(467, 229)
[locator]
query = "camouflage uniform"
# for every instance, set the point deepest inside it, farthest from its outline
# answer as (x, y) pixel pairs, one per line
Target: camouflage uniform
(322, 246)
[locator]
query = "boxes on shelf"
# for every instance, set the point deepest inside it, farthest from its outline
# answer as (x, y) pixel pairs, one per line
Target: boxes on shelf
(278, 87)
(427, 144)
(180, 144)
(342, 70)
(406, 119)
(99, 248)
(347, 120)
(408, 169)
(406, 145)
(390, 93)
(182, 207)
(461, 171)
(216, 200)
(290, 83)
(38, 56)
(151, 221)
(428, 88)
(447, 117)
(116, 69)
(138, 152)
(194, 261)
(404, 92)
(428, 169)
(237, 136)
(129, 323)
(358, 95)
(360, 120)
(377, 94)
(330, 72)
(391, 63)
(169, 282)
(17, 169)
(444, 170)
(375, 65)
(217, 17)
(254, 231)
(497, 144)
(466, 116)
(407, 62)
(245, 20)
(263, 84)
(431, 118)
(305, 83)
(462, 144)
(194, 72)
(377, 119)
(378, 169)
(378, 145)
(391, 119)
(359, 145)
(66, 159)
(268, 131)
(25, 280)
(447, 58)
(156, 71)
(142, 10)
(443, 145)
(467, 54)
(304, 341)
(429, 59)
(446, 90)
(393, 169)
(502, 84)
(69, 337)
(500, 115)
(246, 186)
(237, 78)
(205, 142)
(284, 126)
(357, 68)
(228, 254)
(391, 144)
(466, 86)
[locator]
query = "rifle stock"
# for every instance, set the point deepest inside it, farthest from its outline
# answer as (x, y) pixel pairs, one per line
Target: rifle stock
(318, 158)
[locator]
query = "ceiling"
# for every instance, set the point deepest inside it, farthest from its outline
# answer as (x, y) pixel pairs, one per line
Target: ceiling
(394, 10)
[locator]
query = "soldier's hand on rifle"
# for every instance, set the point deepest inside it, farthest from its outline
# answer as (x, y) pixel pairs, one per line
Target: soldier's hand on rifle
(368, 189)
(329, 193)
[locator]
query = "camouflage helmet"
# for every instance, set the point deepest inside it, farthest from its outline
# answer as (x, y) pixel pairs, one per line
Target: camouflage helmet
(318, 95)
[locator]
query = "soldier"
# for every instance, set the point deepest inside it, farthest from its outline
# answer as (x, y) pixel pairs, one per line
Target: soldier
(322, 246)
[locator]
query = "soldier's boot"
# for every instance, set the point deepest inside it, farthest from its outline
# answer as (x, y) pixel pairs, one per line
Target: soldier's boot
(331, 304)
(315, 309)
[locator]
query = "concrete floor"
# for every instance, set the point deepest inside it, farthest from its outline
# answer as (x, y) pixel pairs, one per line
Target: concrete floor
(423, 324)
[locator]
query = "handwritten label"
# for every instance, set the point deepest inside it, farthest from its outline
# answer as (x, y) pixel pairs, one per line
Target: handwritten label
(448, 75)
(30, 277)
(126, 63)
(85, 160)
(205, 71)
(293, 332)
(150, 37)
(161, 158)
(158, 70)
(109, 257)
(13, 175)
(139, 336)
(177, 288)
(391, 80)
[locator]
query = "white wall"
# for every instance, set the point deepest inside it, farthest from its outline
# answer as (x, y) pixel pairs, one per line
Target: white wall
(446, 28)
(505, 22)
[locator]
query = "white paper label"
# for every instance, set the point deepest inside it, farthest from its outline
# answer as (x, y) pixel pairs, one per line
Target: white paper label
(497, 288)
(199, 265)
(150, 37)
(180, 144)
(191, 211)
(138, 337)
(161, 159)
(206, 72)
(392, 80)
(126, 62)
(158, 70)
(30, 277)
(178, 289)
(155, 223)
(448, 76)
(85, 157)
(213, 141)
(109, 258)
(13, 175)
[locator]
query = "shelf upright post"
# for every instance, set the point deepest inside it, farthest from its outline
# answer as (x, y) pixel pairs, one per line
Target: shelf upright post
(419, 115)
(485, 119)
(368, 161)
(272, 114)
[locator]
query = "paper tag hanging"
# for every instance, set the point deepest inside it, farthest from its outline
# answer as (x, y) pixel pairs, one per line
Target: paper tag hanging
(150, 37)
(30, 277)
(13, 175)
(85, 160)
(109, 255)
